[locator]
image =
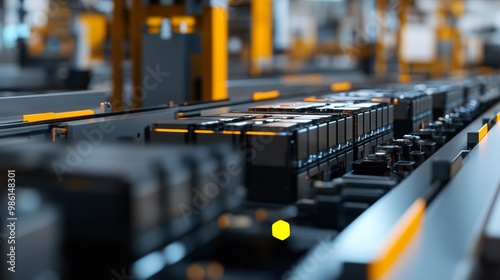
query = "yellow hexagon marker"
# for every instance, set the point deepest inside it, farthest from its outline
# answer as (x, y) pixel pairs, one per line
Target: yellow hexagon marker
(281, 230)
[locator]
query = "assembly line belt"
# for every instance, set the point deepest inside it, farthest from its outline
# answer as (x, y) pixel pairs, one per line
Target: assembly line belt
(397, 218)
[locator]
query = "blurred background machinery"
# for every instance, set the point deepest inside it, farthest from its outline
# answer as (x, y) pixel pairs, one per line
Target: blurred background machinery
(75, 44)
(249, 139)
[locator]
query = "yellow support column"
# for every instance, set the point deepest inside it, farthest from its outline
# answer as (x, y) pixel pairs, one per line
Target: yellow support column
(136, 17)
(261, 40)
(449, 33)
(457, 61)
(117, 55)
(443, 35)
(214, 53)
(404, 66)
(457, 10)
(380, 48)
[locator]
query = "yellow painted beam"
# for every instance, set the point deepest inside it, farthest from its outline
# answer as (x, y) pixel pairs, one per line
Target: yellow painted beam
(154, 24)
(261, 37)
(163, 10)
(214, 53)
(404, 66)
(186, 22)
(95, 39)
(136, 20)
(117, 55)
(457, 61)
(380, 47)
(404, 78)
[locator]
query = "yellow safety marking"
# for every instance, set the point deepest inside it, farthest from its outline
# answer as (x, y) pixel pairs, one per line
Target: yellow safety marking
(482, 132)
(169, 130)
(262, 133)
(398, 239)
(202, 131)
(54, 116)
(265, 95)
(341, 86)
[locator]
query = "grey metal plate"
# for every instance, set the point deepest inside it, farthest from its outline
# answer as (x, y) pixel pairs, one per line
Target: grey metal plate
(14, 107)
(491, 245)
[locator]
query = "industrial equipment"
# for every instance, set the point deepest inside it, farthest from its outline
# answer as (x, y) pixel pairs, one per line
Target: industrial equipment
(249, 139)
(326, 165)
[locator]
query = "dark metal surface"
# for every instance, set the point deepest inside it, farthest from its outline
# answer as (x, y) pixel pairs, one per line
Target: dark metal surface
(167, 77)
(25, 132)
(126, 127)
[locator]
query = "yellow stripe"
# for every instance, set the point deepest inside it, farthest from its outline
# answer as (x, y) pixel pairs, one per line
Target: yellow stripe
(265, 95)
(263, 133)
(482, 132)
(54, 116)
(341, 86)
(201, 131)
(400, 236)
(498, 117)
(169, 130)
(231, 132)
(313, 99)
(302, 79)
